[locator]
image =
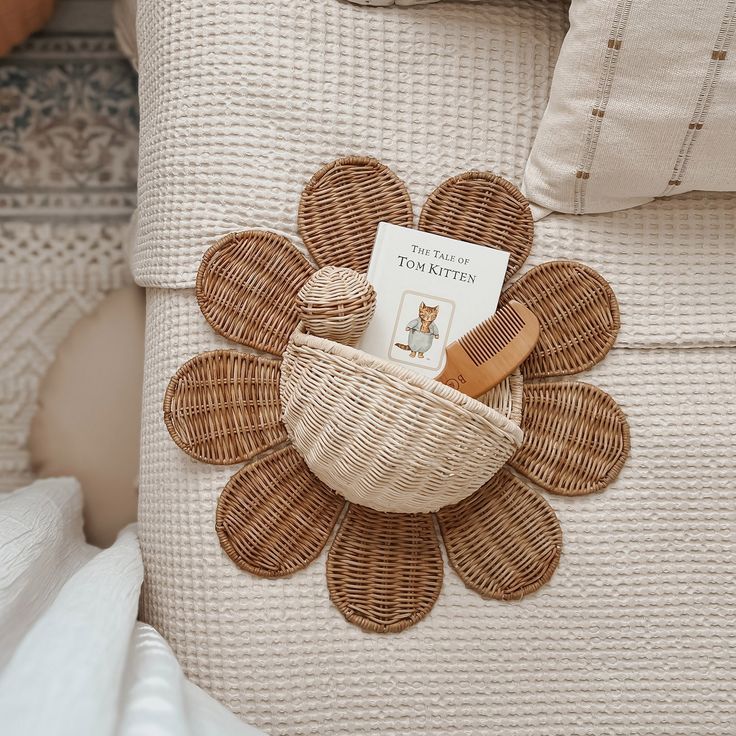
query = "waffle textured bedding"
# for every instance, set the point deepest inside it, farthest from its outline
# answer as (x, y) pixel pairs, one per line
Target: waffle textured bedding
(241, 102)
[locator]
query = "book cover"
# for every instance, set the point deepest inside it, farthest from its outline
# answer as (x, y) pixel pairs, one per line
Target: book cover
(430, 290)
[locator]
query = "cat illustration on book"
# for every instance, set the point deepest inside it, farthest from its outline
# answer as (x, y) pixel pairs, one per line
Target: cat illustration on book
(422, 332)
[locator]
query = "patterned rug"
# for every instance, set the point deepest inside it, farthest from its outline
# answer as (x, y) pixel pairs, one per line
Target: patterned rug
(68, 160)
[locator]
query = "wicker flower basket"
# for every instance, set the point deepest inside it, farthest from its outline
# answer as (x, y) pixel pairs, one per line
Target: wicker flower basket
(386, 437)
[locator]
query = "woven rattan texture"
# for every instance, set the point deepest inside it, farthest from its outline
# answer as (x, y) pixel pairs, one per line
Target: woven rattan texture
(576, 439)
(640, 605)
(274, 517)
(578, 315)
(505, 541)
(482, 208)
(506, 397)
(223, 406)
(337, 304)
(400, 553)
(378, 433)
(247, 285)
(342, 205)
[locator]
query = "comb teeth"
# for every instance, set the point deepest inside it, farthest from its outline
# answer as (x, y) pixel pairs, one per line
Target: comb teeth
(490, 337)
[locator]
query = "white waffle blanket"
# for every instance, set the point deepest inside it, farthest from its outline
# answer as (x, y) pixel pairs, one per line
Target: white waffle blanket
(241, 102)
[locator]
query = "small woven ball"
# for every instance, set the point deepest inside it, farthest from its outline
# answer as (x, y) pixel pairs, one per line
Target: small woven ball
(337, 304)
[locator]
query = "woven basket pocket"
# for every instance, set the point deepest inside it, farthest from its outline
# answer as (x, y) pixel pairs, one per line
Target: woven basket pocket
(385, 437)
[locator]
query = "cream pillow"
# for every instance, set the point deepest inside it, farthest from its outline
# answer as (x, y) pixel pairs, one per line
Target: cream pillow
(642, 105)
(124, 12)
(87, 424)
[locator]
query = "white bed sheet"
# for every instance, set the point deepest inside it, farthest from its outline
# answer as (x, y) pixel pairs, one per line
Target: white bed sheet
(73, 659)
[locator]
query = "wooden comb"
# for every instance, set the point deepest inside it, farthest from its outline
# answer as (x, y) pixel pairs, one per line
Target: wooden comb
(483, 357)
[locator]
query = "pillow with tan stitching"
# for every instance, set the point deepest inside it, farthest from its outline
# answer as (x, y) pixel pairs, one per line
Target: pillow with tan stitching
(642, 105)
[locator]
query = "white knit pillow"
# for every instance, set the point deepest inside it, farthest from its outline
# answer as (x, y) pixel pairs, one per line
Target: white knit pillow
(643, 105)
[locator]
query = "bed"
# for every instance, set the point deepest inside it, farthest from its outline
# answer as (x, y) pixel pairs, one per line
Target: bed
(241, 102)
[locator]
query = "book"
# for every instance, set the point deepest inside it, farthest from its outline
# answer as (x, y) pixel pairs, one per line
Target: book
(430, 291)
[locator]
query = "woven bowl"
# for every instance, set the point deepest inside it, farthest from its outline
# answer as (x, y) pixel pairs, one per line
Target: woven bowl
(337, 304)
(385, 437)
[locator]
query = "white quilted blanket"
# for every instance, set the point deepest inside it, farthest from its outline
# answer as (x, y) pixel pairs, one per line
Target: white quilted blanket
(241, 102)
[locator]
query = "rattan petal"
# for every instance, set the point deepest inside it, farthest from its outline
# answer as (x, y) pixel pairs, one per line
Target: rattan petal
(576, 438)
(504, 541)
(483, 208)
(223, 407)
(274, 517)
(384, 571)
(342, 205)
(578, 315)
(247, 285)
